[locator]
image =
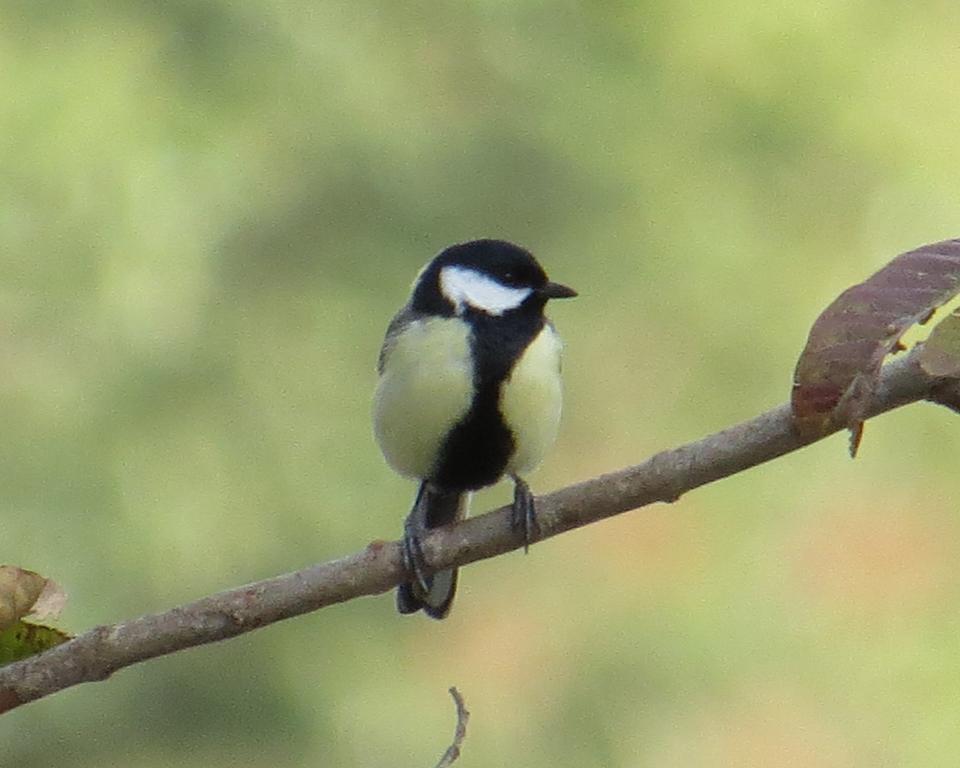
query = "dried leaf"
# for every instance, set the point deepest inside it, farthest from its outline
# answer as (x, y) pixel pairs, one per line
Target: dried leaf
(940, 355)
(838, 369)
(19, 591)
(51, 602)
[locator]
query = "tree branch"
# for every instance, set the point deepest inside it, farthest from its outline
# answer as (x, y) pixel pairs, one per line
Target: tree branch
(96, 654)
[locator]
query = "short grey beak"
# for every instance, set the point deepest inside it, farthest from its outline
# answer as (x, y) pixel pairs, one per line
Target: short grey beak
(557, 291)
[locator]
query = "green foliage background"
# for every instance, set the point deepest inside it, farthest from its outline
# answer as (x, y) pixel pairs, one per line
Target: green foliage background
(208, 213)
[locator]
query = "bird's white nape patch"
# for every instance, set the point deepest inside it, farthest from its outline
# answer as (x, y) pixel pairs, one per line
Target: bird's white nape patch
(462, 286)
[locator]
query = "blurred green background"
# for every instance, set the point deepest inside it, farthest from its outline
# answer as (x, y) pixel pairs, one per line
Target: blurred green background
(209, 212)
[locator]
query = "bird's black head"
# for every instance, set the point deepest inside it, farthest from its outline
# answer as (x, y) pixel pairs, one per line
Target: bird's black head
(490, 277)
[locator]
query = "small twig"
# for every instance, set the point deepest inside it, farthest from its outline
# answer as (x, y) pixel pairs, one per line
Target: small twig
(453, 751)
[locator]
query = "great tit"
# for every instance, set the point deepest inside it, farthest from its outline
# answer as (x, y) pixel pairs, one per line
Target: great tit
(469, 391)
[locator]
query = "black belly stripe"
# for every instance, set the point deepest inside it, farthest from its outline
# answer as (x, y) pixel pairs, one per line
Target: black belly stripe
(478, 448)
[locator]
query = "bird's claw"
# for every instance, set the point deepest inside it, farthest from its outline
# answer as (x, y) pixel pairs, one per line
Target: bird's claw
(524, 514)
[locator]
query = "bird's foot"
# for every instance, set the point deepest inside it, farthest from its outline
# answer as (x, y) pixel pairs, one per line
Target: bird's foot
(524, 515)
(413, 558)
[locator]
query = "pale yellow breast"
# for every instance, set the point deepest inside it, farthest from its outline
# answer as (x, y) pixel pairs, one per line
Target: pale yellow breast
(424, 390)
(531, 399)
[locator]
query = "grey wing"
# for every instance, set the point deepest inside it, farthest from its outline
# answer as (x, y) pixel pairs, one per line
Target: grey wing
(553, 328)
(401, 320)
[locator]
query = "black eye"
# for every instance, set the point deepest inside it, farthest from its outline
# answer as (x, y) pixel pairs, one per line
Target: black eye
(509, 277)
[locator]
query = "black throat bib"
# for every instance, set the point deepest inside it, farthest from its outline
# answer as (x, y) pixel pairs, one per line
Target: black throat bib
(476, 452)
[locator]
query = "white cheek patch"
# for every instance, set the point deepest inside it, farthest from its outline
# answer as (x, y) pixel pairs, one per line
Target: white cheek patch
(462, 286)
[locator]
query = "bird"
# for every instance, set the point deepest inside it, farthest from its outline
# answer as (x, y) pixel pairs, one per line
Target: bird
(468, 392)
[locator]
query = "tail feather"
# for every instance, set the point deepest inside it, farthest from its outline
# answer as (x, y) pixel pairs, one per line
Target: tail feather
(432, 509)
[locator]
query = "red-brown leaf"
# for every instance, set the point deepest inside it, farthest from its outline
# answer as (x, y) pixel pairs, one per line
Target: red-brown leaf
(838, 369)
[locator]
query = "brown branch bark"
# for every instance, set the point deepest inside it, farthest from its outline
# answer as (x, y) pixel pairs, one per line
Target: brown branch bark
(96, 654)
